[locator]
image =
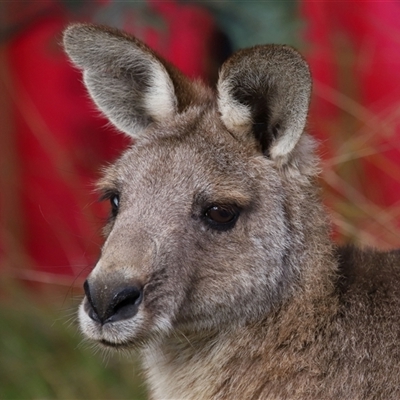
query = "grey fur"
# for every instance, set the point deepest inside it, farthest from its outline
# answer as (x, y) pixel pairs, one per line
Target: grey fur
(267, 309)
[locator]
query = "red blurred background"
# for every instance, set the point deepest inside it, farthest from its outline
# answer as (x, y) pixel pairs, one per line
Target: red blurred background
(53, 142)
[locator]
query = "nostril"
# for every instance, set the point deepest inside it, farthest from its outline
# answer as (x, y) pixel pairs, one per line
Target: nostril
(126, 297)
(87, 291)
(89, 305)
(124, 304)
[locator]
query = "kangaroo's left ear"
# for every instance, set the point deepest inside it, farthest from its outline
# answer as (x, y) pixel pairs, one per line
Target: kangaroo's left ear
(265, 91)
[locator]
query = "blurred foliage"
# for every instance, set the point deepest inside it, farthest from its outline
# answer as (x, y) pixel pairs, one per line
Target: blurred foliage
(139, 13)
(43, 356)
(248, 23)
(17, 15)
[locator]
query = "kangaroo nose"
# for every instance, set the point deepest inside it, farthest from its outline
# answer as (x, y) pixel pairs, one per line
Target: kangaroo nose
(104, 305)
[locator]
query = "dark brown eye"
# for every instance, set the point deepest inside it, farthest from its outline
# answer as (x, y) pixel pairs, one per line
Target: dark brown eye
(222, 217)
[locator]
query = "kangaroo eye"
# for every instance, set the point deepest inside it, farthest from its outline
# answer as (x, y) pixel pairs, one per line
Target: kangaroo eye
(114, 200)
(222, 217)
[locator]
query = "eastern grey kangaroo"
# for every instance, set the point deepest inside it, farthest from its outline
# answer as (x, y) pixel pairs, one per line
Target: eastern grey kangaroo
(217, 263)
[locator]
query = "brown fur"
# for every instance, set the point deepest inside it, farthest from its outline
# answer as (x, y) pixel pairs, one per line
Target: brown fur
(264, 307)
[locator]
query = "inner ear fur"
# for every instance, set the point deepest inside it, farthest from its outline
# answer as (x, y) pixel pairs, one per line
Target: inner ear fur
(265, 91)
(128, 82)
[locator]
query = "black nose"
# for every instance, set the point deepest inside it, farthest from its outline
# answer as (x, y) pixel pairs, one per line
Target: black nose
(110, 305)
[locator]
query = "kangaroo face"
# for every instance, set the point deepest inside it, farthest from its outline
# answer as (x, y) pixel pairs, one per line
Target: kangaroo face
(187, 242)
(199, 234)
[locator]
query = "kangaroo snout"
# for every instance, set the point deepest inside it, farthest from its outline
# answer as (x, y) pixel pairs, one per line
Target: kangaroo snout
(105, 304)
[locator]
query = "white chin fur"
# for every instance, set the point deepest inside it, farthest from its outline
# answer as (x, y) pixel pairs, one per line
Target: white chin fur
(118, 333)
(123, 332)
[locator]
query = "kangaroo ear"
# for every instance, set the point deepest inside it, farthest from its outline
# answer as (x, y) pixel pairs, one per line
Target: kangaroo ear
(130, 84)
(265, 90)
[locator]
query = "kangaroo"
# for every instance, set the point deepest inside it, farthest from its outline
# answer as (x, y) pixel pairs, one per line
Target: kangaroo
(218, 265)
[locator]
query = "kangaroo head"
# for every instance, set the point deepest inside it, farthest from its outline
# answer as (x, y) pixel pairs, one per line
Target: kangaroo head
(200, 234)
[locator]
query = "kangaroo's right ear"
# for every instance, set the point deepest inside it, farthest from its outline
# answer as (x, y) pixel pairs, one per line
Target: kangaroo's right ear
(130, 84)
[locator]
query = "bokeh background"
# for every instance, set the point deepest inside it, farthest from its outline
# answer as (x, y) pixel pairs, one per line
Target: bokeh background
(53, 142)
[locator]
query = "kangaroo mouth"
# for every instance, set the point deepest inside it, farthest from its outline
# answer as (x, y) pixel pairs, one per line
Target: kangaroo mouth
(116, 346)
